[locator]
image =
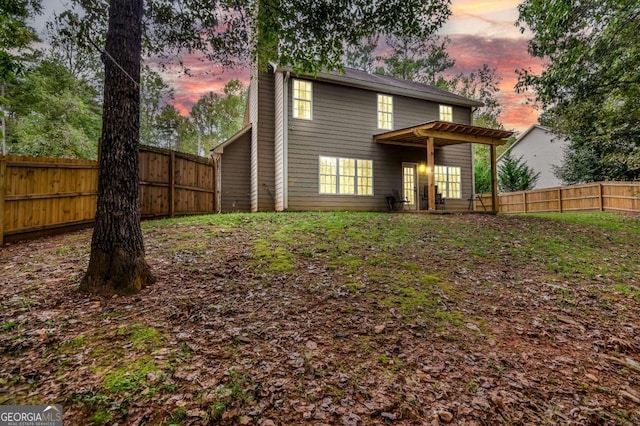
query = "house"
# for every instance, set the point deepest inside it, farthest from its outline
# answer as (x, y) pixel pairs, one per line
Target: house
(541, 150)
(348, 141)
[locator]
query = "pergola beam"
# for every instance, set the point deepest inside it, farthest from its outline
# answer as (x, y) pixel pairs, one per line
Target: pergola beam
(457, 138)
(494, 180)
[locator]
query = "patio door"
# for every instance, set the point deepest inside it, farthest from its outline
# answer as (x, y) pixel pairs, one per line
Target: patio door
(410, 185)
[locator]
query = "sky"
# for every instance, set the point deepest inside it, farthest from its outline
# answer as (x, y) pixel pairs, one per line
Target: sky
(480, 32)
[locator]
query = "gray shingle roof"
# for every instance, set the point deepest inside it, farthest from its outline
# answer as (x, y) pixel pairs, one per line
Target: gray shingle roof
(392, 85)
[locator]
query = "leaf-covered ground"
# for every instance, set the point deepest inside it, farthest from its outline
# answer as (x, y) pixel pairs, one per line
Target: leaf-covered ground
(336, 318)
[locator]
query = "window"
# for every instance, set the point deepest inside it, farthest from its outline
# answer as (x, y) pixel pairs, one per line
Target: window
(302, 95)
(328, 175)
(446, 113)
(346, 176)
(385, 112)
(448, 181)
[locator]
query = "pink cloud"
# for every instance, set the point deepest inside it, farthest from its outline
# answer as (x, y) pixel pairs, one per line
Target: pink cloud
(506, 55)
(202, 77)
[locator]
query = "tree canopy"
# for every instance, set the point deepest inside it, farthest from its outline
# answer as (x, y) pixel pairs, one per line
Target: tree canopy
(590, 86)
(53, 113)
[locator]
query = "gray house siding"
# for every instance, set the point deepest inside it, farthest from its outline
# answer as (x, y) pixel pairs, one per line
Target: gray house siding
(344, 122)
(235, 171)
(266, 137)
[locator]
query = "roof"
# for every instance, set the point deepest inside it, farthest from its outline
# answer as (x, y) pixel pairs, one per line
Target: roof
(444, 133)
(219, 149)
(387, 84)
(524, 135)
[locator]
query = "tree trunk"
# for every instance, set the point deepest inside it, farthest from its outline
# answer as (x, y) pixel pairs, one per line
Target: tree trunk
(117, 263)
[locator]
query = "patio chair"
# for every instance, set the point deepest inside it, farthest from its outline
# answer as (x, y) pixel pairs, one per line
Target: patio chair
(425, 197)
(396, 202)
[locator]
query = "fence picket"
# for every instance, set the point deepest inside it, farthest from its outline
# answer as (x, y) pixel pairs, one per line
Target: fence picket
(46, 195)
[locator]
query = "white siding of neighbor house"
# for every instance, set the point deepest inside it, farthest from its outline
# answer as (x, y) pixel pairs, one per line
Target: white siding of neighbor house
(541, 149)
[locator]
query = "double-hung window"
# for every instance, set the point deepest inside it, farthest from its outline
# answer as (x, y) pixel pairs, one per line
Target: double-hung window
(346, 176)
(448, 181)
(302, 99)
(385, 112)
(446, 113)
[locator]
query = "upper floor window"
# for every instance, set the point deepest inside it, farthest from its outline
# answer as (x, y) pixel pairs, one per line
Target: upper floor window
(385, 112)
(302, 97)
(446, 113)
(449, 181)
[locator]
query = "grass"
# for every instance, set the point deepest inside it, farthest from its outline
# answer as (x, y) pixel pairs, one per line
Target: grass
(241, 296)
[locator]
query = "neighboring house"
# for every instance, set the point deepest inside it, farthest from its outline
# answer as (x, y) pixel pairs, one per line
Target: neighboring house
(541, 150)
(348, 142)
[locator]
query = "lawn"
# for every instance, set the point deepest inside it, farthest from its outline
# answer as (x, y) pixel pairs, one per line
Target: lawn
(336, 318)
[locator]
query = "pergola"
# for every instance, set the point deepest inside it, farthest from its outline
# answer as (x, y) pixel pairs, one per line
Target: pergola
(441, 133)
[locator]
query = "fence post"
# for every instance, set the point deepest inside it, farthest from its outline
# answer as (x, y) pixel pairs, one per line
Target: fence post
(559, 200)
(524, 196)
(172, 183)
(600, 197)
(3, 186)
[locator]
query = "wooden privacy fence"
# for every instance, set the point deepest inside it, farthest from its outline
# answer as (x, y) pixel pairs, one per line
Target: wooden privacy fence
(45, 195)
(597, 196)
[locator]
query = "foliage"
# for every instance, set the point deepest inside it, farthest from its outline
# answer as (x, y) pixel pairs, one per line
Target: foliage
(481, 176)
(216, 118)
(590, 86)
(15, 34)
(155, 94)
(63, 47)
(360, 56)
(54, 114)
(418, 58)
(311, 36)
(515, 175)
(481, 85)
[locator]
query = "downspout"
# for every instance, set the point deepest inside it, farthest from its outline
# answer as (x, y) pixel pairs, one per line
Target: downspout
(285, 143)
(473, 165)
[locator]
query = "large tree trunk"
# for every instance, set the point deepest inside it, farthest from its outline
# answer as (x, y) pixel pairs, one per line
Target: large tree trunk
(117, 263)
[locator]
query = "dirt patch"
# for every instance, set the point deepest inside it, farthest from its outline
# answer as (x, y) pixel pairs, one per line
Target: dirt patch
(336, 318)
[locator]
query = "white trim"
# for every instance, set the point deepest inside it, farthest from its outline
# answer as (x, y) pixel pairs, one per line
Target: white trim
(293, 100)
(253, 117)
(220, 148)
(445, 191)
(279, 142)
(414, 166)
(337, 176)
(440, 117)
(285, 142)
(378, 111)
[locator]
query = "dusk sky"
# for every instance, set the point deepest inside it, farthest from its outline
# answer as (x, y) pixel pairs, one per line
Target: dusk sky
(480, 32)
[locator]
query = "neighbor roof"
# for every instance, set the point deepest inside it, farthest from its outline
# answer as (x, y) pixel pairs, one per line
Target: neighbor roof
(387, 84)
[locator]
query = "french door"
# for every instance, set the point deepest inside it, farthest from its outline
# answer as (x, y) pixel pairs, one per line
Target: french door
(410, 185)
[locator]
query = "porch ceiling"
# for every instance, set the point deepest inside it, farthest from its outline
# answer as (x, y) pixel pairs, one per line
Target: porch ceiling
(443, 133)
